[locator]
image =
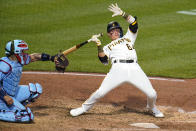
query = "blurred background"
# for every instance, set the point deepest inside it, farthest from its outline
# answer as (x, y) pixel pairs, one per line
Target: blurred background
(166, 42)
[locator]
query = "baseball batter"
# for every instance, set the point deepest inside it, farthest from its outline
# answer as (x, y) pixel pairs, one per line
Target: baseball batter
(124, 68)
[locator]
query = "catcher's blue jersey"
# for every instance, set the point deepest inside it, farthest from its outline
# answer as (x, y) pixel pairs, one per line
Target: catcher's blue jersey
(10, 74)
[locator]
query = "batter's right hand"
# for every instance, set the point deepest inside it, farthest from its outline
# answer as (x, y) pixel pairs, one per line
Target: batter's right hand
(9, 101)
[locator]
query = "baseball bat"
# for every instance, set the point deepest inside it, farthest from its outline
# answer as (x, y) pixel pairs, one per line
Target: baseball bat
(75, 47)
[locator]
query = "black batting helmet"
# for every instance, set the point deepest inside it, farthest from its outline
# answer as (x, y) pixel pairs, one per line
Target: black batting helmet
(114, 25)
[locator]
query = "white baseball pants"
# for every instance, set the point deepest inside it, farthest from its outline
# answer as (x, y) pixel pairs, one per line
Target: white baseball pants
(120, 73)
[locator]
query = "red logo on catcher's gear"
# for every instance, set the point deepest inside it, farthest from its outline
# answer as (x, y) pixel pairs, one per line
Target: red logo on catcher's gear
(22, 45)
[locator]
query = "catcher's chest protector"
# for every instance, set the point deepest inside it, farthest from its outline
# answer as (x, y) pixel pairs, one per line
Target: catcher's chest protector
(12, 78)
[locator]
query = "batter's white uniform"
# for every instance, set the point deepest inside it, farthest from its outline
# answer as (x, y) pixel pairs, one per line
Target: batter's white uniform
(120, 50)
(124, 68)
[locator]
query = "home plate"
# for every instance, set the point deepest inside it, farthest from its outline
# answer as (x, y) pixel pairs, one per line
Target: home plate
(145, 125)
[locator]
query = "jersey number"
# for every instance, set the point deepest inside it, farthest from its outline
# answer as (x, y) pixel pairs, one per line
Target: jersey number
(129, 47)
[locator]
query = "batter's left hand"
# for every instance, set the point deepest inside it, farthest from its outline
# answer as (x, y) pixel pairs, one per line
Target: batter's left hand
(95, 39)
(115, 9)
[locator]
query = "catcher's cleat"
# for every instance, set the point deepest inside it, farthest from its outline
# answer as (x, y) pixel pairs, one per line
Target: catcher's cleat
(77, 111)
(156, 113)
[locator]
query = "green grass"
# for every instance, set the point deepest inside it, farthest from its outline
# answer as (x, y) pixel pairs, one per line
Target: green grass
(165, 44)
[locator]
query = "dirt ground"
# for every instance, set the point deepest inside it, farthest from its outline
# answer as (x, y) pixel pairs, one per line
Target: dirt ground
(119, 109)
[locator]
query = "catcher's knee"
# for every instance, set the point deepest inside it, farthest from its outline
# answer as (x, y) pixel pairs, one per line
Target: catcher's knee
(35, 91)
(17, 115)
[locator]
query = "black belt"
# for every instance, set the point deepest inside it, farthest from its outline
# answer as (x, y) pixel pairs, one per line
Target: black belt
(124, 61)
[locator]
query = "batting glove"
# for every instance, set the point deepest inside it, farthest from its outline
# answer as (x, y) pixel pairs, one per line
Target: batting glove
(116, 10)
(95, 39)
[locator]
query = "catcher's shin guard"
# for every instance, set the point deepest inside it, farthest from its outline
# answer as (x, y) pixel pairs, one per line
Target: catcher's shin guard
(35, 91)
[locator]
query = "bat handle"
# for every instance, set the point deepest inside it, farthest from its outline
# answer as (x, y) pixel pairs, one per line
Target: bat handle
(100, 35)
(81, 44)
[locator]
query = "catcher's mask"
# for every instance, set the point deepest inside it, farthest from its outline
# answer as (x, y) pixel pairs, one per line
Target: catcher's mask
(114, 25)
(17, 48)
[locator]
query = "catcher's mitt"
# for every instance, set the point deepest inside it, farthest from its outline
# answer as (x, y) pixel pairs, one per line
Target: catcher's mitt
(61, 62)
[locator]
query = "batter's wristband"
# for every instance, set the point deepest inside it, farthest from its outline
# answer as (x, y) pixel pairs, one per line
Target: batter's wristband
(124, 15)
(100, 49)
(98, 43)
(52, 58)
(2, 93)
(45, 57)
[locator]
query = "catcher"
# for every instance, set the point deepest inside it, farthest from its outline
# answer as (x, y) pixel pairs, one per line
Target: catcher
(14, 97)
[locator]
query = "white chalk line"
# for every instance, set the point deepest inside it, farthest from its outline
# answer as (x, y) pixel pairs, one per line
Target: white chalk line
(180, 110)
(109, 129)
(191, 12)
(186, 12)
(94, 74)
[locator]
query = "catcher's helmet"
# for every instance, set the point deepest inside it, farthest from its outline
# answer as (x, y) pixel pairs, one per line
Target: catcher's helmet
(114, 25)
(17, 48)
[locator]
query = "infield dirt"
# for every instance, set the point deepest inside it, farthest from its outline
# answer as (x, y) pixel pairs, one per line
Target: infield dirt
(115, 112)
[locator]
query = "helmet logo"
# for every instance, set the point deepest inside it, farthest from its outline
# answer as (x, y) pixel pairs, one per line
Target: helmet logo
(22, 45)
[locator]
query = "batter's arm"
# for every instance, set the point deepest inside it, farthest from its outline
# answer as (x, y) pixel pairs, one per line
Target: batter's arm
(102, 56)
(130, 19)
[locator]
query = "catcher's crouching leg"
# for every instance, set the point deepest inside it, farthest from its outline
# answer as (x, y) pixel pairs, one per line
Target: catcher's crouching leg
(28, 93)
(15, 113)
(35, 92)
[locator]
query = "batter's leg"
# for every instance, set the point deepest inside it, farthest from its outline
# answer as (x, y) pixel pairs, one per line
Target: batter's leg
(112, 80)
(139, 79)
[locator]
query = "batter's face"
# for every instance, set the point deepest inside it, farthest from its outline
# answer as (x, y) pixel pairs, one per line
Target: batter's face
(114, 34)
